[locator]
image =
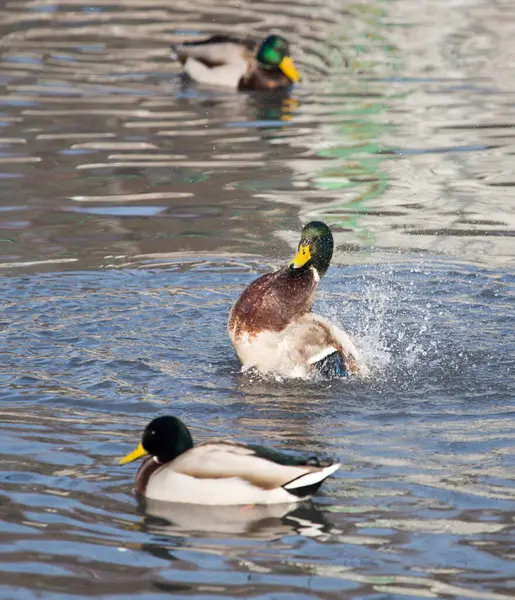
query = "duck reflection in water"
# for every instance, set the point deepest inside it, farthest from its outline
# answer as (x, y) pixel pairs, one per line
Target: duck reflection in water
(253, 522)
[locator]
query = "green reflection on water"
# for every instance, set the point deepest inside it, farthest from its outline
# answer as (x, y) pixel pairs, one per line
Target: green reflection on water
(355, 143)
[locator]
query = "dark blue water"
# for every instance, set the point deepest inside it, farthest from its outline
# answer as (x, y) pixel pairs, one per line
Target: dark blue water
(424, 497)
(133, 211)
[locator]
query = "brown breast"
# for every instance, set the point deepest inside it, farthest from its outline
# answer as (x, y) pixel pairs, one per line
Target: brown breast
(147, 467)
(264, 79)
(273, 301)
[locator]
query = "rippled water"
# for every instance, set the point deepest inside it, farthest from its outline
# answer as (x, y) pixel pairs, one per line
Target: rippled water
(134, 210)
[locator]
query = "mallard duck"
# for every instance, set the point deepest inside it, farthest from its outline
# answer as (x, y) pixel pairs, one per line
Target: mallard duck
(271, 325)
(243, 64)
(219, 472)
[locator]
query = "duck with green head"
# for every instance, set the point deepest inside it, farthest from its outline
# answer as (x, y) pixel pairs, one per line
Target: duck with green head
(243, 64)
(220, 472)
(272, 328)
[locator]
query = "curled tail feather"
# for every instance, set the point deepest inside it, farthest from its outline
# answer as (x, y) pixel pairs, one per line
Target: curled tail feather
(307, 484)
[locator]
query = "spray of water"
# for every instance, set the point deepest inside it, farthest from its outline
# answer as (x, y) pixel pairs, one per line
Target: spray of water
(399, 320)
(390, 319)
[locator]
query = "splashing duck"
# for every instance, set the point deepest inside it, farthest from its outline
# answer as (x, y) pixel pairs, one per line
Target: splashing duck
(272, 328)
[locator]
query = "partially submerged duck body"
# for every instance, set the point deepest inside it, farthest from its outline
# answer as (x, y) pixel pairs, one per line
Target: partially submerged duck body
(238, 63)
(272, 328)
(220, 472)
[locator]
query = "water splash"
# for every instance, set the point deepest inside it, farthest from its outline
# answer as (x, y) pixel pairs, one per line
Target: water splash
(390, 319)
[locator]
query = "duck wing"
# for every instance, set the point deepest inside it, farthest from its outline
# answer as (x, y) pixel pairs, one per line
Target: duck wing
(262, 468)
(288, 459)
(215, 51)
(225, 473)
(313, 340)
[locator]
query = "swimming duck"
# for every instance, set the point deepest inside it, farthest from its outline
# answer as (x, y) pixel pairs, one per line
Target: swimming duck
(243, 64)
(272, 328)
(219, 472)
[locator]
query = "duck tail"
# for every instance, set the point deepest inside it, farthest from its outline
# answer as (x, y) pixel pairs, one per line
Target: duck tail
(308, 483)
(333, 365)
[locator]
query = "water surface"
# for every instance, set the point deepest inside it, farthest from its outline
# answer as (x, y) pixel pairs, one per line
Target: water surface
(134, 211)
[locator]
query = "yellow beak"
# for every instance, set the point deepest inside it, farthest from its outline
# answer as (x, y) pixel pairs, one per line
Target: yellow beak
(301, 258)
(288, 68)
(134, 455)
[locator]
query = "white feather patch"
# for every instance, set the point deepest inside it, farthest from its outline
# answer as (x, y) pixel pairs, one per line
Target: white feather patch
(311, 478)
(170, 486)
(322, 354)
(228, 75)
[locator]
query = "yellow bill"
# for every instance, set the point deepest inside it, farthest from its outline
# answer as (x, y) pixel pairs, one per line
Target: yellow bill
(301, 258)
(134, 455)
(288, 68)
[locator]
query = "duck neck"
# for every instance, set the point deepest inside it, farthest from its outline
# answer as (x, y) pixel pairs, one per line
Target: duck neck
(147, 468)
(306, 272)
(264, 79)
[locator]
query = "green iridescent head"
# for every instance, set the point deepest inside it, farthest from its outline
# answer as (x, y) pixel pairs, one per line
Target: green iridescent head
(315, 248)
(274, 52)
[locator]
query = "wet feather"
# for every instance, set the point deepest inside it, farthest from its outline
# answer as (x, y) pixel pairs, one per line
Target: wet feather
(273, 330)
